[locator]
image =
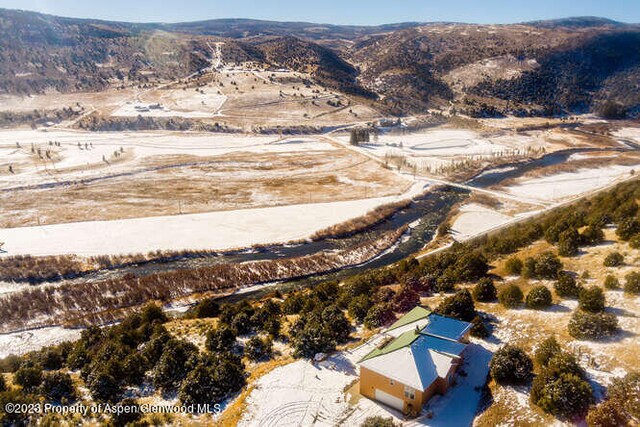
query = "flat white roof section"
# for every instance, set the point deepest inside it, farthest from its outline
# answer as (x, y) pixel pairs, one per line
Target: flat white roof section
(417, 365)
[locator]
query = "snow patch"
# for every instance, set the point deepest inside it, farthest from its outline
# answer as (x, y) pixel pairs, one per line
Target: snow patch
(22, 342)
(213, 230)
(568, 184)
(475, 219)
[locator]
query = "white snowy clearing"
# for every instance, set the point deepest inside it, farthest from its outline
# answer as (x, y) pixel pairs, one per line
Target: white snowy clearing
(443, 142)
(628, 132)
(154, 110)
(475, 219)
(443, 146)
(22, 342)
(433, 148)
(301, 393)
(212, 230)
(75, 161)
(437, 142)
(567, 184)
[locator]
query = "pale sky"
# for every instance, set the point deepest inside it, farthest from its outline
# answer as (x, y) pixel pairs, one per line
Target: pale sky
(362, 12)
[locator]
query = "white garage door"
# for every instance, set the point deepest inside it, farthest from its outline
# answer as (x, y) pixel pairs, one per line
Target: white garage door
(389, 400)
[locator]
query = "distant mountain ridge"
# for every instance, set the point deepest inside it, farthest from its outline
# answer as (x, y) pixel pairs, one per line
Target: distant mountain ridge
(577, 22)
(242, 28)
(540, 67)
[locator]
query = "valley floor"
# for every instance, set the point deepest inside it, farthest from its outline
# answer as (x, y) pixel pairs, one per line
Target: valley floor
(204, 231)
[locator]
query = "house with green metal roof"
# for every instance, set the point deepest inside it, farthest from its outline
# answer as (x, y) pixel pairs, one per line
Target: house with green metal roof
(417, 359)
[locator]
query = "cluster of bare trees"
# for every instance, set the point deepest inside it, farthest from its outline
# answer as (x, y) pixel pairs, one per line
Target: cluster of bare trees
(34, 270)
(107, 300)
(37, 269)
(104, 124)
(98, 123)
(358, 135)
(37, 117)
(362, 222)
(27, 268)
(288, 130)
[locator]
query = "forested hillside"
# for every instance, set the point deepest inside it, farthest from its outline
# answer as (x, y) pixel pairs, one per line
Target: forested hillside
(538, 68)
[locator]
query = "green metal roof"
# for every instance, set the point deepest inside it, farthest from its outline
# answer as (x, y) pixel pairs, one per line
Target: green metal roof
(415, 314)
(403, 340)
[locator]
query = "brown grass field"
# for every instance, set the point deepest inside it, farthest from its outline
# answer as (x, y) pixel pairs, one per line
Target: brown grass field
(232, 181)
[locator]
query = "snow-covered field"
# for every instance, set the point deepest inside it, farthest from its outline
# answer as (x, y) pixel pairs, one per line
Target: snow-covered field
(130, 109)
(213, 230)
(300, 393)
(19, 343)
(475, 219)
(568, 184)
(72, 152)
(303, 392)
(441, 142)
(630, 133)
(433, 144)
(432, 149)
(194, 101)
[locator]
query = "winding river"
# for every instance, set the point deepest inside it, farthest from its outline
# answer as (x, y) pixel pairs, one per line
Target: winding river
(422, 217)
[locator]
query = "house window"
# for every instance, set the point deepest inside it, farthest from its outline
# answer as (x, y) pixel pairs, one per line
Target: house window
(409, 393)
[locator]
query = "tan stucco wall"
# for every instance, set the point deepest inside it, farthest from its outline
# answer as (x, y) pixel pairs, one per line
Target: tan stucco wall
(370, 381)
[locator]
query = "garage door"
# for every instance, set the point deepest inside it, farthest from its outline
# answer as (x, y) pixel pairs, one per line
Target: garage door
(389, 400)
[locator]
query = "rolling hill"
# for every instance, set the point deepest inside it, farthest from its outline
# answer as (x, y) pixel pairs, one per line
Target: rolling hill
(535, 68)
